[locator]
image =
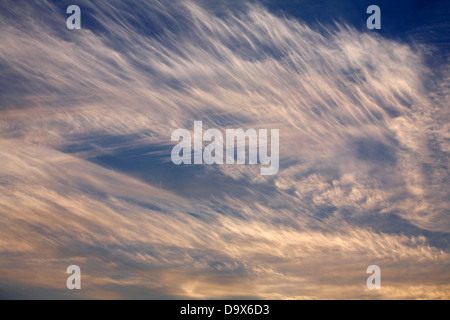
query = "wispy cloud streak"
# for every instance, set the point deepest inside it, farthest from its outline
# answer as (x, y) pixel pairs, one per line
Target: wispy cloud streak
(85, 124)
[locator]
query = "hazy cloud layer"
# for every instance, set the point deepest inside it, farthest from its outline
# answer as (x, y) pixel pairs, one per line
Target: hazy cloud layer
(85, 124)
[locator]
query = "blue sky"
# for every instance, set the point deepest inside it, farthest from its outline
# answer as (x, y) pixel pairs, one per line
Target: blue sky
(86, 118)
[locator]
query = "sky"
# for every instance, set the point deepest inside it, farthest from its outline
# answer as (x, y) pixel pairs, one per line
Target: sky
(86, 176)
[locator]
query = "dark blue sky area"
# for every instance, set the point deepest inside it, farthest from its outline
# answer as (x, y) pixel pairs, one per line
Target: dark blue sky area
(402, 19)
(413, 21)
